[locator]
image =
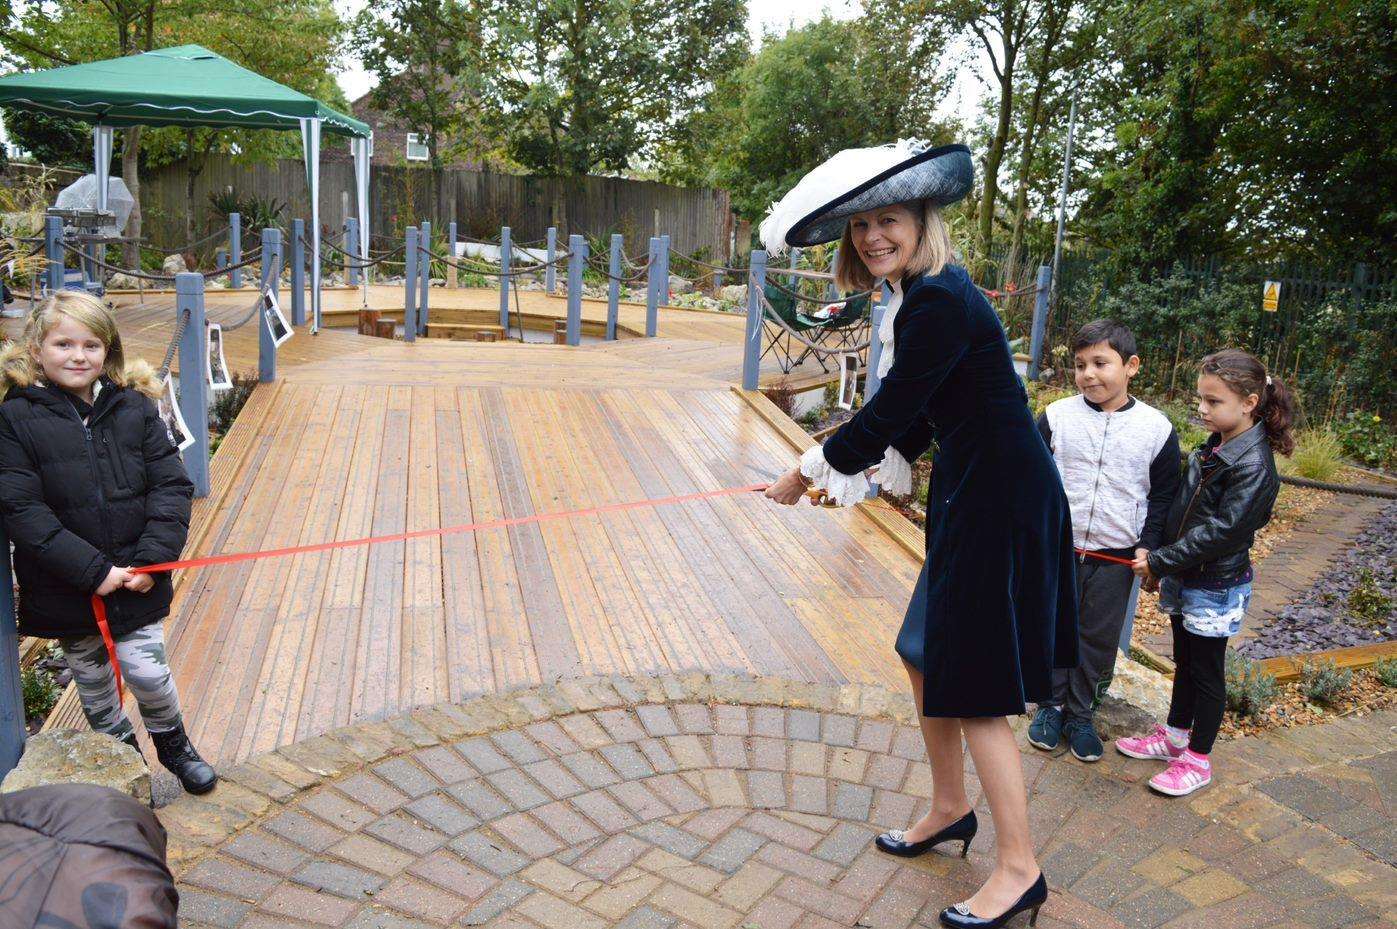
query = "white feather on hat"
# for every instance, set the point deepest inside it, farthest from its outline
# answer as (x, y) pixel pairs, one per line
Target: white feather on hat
(858, 179)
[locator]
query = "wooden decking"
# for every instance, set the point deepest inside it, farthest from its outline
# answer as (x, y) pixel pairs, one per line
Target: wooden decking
(363, 436)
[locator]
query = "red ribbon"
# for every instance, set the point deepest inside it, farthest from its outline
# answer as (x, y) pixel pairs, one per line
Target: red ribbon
(99, 610)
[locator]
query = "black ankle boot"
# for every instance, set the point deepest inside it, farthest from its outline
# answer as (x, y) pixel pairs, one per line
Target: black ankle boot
(178, 755)
(130, 739)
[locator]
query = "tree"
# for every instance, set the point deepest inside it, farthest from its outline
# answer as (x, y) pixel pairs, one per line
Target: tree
(803, 97)
(579, 86)
(52, 140)
(294, 42)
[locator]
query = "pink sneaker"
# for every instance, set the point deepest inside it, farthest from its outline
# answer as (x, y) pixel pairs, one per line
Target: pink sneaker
(1183, 776)
(1155, 746)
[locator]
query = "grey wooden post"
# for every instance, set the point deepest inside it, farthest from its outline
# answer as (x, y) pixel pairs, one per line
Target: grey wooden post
(613, 290)
(12, 729)
(271, 280)
(832, 291)
(193, 389)
(1040, 320)
(298, 272)
(550, 273)
(410, 285)
(220, 258)
(235, 248)
(752, 344)
(424, 267)
(652, 289)
(451, 271)
(356, 254)
(795, 258)
(577, 245)
(53, 251)
(664, 265)
(505, 248)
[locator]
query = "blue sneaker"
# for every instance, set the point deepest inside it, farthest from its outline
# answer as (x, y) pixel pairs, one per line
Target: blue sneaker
(1086, 744)
(1046, 729)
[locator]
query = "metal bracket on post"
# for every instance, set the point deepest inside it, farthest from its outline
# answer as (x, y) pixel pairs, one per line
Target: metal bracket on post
(53, 251)
(752, 343)
(193, 389)
(1040, 320)
(354, 254)
(613, 291)
(505, 249)
(550, 273)
(271, 281)
(298, 272)
(235, 249)
(652, 289)
(12, 728)
(410, 286)
(577, 245)
(452, 281)
(424, 268)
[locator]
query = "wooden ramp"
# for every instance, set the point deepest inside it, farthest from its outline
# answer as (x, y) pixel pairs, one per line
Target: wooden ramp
(362, 436)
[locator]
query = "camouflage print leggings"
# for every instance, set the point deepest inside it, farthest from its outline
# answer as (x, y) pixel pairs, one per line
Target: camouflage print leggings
(145, 672)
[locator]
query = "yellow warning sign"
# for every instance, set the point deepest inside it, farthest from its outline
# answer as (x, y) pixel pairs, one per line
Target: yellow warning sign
(1270, 296)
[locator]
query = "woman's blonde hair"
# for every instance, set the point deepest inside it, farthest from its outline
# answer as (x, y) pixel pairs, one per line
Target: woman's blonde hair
(19, 365)
(933, 252)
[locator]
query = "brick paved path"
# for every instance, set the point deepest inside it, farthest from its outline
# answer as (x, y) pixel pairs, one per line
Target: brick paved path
(695, 802)
(1296, 562)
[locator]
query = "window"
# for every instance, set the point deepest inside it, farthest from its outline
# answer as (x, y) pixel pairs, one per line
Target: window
(416, 147)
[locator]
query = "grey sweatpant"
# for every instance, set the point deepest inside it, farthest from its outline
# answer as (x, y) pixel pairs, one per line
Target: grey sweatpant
(1103, 590)
(144, 670)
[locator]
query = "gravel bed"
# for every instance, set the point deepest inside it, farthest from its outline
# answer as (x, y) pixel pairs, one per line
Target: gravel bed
(1322, 618)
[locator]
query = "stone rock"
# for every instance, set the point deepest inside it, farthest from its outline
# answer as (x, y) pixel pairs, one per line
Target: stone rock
(1116, 718)
(70, 756)
(121, 281)
(680, 285)
(173, 264)
(733, 293)
(1141, 687)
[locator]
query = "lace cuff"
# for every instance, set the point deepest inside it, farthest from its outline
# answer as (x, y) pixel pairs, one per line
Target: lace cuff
(843, 489)
(894, 473)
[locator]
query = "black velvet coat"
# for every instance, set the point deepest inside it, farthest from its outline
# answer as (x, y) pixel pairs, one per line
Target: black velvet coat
(78, 499)
(1001, 608)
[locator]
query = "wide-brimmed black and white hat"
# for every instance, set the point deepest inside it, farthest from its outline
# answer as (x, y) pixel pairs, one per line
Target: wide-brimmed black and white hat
(857, 179)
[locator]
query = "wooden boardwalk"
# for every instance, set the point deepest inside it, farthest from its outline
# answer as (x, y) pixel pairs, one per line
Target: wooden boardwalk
(362, 436)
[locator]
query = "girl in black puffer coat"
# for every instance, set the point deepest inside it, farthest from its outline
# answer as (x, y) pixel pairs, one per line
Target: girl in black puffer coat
(90, 486)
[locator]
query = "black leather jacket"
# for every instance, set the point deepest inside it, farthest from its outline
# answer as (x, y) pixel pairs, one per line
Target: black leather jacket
(1218, 509)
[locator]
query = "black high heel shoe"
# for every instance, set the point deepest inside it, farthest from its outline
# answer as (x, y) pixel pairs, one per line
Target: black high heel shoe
(960, 917)
(962, 830)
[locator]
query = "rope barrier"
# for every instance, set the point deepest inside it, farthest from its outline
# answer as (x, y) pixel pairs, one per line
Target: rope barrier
(604, 268)
(190, 246)
(817, 300)
(352, 261)
(174, 344)
(253, 257)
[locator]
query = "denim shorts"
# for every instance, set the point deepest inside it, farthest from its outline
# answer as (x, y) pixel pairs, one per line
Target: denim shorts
(1214, 613)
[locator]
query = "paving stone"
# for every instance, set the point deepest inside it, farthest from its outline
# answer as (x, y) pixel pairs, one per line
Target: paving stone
(339, 879)
(552, 737)
(265, 851)
(844, 844)
(675, 841)
(627, 761)
(490, 856)
(646, 918)
(518, 746)
(590, 770)
(213, 909)
(445, 870)
(442, 813)
(372, 792)
(483, 755)
(229, 877)
(516, 787)
(407, 777)
(477, 797)
(731, 852)
(402, 832)
(304, 904)
(506, 895)
(657, 720)
(444, 764)
(803, 725)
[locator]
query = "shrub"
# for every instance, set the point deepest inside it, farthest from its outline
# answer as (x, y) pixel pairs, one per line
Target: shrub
(1367, 602)
(1367, 439)
(1386, 672)
(1317, 455)
(40, 692)
(1323, 681)
(782, 395)
(1191, 435)
(1250, 691)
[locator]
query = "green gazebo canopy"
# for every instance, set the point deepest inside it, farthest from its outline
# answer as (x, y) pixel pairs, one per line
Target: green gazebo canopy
(187, 85)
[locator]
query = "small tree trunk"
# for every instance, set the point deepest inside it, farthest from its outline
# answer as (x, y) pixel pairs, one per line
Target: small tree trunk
(130, 165)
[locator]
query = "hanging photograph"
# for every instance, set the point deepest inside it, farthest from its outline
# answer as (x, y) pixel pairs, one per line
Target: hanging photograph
(848, 380)
(174, 419)
(276, 321)
(215, 363)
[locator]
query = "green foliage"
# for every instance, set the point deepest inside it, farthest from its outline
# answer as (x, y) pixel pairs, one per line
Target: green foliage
(1040, 395)
(51, 140)
(1250, 691)
(1323, 682)
(1317, 455)
(1368, 602)
(805, 96)
(257, 212)
(1386, 672)
(1368, 439)
(1191, 434)
(574, 88)
(40, 691)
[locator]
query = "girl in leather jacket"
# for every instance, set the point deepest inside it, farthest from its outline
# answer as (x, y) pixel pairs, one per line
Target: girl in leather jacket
(1204, 571)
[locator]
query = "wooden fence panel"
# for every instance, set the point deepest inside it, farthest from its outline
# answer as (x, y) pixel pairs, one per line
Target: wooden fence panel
(479, 202)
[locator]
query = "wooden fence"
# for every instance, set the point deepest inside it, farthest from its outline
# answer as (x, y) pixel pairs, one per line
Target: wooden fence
(697, 220)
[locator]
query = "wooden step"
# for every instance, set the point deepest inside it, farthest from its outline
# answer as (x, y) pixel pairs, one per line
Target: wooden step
(469, 332)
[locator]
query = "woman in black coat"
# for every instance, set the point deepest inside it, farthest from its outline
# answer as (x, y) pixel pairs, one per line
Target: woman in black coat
(994, 610)
(91, 486)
